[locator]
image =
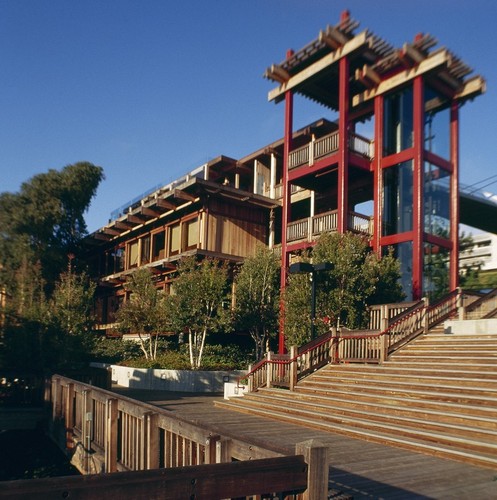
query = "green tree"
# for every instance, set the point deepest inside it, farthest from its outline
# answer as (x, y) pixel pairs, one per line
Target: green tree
(44, 222)
(257, 297)
(196, 305)
(145, 312)
(359, 278)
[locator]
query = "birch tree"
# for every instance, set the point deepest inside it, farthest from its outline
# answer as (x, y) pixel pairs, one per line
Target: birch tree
(198, 303)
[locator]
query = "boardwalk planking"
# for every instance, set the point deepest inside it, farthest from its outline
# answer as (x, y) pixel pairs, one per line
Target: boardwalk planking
(360, 468)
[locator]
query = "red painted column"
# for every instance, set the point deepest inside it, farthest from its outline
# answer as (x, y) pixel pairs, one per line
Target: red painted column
(343, 131)
(377, 173)
(454, 195)
(418, 174)
(286, 209)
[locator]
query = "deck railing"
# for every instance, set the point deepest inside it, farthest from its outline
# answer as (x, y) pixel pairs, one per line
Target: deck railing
(106, 432)
(310, 227)
(395, 325)
(484, 307)
(327, 145)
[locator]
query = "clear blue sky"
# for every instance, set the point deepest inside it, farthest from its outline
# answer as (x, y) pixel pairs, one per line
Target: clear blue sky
(151, 89)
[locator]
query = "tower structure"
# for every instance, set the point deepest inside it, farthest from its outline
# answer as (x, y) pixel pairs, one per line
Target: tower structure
(405, 169)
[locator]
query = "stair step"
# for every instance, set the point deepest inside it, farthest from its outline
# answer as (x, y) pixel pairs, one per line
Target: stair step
(432, 446)
(458, 424)
(476, 410)
(439, 395)
(441, 367)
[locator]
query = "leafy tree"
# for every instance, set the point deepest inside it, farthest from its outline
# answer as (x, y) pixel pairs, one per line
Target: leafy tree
(196, 306)
(257, 297)
(359, 278)
(145, 312)
(44, 222)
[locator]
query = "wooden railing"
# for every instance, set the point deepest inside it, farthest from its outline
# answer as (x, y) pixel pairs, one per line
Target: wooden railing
(324, 146)
(484, 307)
(105, 432)
(393, 325)
(310, 227)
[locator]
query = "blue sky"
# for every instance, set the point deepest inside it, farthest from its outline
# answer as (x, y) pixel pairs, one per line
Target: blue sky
(151, 89)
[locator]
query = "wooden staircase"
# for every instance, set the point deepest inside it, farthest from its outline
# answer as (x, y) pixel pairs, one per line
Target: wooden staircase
(437, 395)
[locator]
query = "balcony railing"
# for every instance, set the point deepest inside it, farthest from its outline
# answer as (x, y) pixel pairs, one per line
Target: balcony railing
(327, 145)
(309, 228)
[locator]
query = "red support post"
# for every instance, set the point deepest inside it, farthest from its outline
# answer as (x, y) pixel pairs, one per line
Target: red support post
(343, 131)
(454, 195)
(286, 212)
(378, 173)
(418, 208)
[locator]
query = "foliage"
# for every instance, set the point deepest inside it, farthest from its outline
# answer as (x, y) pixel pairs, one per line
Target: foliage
(196, 307)
(257, 297)
(114, 350)
(359, 278)
(145, 312)
(44, 222)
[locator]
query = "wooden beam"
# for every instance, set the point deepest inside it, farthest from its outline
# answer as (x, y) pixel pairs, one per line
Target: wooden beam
(126, 226)
(277, 73)
(101, 236)
(471, 88)
(332, 37)
(352, 45)
(148, 212)
(161, 202)
(133, 219)
(183, 195)
(436, 61)
(111, 231)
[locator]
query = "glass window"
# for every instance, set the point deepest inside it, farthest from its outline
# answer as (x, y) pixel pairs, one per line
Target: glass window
(158, 245)
(174, 244)
(403, 252)
(398, 122)
(145, 250)
(436, 201)
(435, 271)
(437, 124)
(397, 198)
(191, 234)
(133, 254)
(119, 259)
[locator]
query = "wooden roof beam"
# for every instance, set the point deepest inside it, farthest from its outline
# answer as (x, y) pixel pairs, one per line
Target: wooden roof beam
(148, 212)
(111, 231)
(471, 88)
(332, 37)
(410, 56)
(183, 195)
(277, 73)
(367, 76)
(161, 202)
(124, 225)
(133, 219)
(361, 40)
(437, 61)
(101, 236)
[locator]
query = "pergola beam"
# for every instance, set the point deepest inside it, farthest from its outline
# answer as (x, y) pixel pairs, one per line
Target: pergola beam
(352, 45)
(436, 61)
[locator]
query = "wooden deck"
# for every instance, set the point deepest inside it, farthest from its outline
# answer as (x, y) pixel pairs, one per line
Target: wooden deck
(358, 468)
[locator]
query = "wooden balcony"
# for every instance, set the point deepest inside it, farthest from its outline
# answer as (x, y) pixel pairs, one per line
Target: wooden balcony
(311, 227)
(327, 145)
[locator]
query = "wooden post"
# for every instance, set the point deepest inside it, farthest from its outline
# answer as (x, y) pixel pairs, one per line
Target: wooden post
(111, 435)
(424, 318)
(334, 358)
(293, 367)
(461, 309)
(69, 415)
(223, 450)
(317, 459)
(210, 449)
(268, 369)
(152, 441)
(56, 398)
(250, 380)
(383, 348)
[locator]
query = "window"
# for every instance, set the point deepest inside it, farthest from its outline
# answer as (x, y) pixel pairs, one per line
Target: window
(437, 123)
(145, 250)
(398, 122)
(436, 201)
(397, 198)
(435, 271)
(403, 252)
(158, 245)
(133, 254)
(191, 232)
(174, 239)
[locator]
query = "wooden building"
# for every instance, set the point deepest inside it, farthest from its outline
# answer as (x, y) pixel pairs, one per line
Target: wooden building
(385, 164)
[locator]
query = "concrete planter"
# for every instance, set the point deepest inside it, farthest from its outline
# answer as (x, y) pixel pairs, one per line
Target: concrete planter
(172, 380)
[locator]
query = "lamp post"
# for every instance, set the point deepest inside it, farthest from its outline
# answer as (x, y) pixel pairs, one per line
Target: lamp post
(311, 269)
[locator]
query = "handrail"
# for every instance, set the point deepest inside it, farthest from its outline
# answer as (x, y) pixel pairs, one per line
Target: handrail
(480, 303)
